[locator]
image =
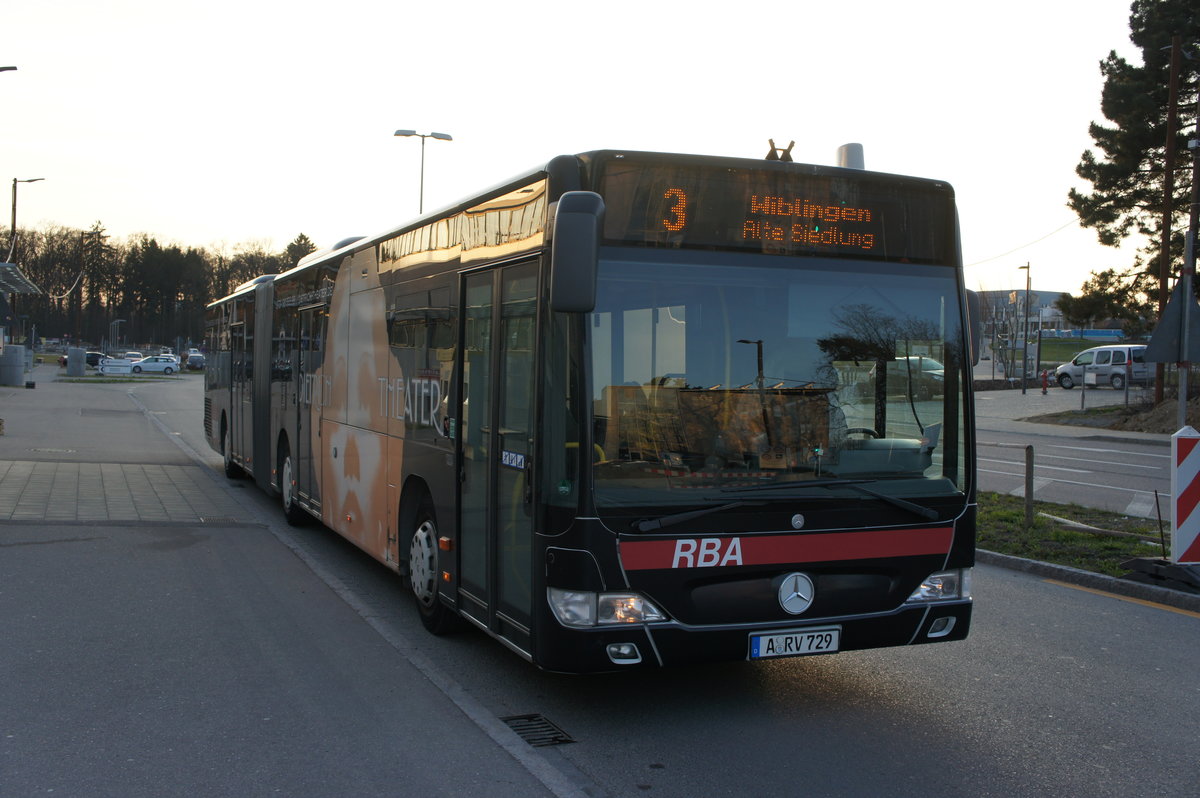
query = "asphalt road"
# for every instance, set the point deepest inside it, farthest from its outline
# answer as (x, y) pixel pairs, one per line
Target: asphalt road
(225, 653)
(1123, 472)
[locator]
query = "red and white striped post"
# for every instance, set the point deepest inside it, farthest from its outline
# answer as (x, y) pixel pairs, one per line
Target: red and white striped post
(1185, 493)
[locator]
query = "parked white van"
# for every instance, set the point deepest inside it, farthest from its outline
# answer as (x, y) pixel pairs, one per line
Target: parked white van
(1112, 365)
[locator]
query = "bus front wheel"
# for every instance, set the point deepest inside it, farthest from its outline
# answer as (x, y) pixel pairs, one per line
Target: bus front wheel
(424, 575)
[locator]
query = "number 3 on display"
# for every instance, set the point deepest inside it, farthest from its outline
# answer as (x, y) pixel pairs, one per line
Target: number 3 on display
(678, 210)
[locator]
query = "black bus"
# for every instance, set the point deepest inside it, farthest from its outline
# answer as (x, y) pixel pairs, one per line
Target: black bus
(632, 409)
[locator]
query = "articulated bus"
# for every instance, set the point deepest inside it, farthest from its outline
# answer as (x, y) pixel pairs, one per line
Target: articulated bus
(632, 409)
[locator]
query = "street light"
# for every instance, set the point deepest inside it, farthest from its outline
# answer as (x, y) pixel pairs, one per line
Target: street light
(12, 238)
(114, 331)
(760, 384)
(439, 137)
(1025, 328)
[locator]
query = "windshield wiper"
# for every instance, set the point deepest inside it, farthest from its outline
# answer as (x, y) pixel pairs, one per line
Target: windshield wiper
(854, 484)
(651, 524)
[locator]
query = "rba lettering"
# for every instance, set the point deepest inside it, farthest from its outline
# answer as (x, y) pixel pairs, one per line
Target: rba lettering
(707, 552)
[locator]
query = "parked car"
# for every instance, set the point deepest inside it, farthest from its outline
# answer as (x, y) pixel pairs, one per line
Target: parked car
(90, 358)
(165, 364)
(133, 355)
(1112, 365)
(195, 362)
(928, 376)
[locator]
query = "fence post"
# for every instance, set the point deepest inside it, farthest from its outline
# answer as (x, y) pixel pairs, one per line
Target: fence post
(1028, 488)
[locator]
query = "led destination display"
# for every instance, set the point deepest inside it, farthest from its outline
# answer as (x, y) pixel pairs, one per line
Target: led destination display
(793, 211)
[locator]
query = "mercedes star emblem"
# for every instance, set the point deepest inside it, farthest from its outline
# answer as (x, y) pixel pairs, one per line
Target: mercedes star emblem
(796, 593)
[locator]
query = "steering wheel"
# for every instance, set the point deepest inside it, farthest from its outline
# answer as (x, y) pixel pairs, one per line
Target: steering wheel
(870, 433)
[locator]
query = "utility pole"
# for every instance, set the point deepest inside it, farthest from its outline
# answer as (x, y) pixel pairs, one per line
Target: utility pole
(1164, 268)
(1188, 273)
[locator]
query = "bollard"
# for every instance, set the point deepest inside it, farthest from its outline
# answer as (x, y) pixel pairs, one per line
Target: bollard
(1185, 480)
(1028, 488)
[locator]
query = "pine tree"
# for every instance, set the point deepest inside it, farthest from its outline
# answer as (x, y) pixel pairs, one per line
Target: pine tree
(1127, 172)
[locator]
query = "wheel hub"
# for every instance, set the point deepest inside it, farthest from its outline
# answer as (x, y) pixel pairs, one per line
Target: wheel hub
(422, 563)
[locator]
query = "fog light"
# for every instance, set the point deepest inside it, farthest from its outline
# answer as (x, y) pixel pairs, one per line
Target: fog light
(624, 653)
(940, 627)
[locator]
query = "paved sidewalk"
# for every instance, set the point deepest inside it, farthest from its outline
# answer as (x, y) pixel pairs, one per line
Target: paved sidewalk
(88, 453)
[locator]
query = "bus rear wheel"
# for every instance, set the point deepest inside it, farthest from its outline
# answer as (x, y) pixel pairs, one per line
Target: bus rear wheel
(231, 468)
(424, 576)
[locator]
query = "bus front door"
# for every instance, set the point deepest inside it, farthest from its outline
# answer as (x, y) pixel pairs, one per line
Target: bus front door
(496, 524)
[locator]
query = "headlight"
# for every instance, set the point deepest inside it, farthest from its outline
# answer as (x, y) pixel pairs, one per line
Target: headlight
(582, 608)
(944, 586)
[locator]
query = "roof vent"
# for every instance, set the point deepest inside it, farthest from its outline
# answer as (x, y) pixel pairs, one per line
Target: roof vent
(850, 156)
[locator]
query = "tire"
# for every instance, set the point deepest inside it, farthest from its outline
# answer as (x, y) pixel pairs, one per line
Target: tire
(1118, 382)
(168, 370)
(424, 576)
(292, 513)
(1065, 381)
(137, 369)
(232, 470)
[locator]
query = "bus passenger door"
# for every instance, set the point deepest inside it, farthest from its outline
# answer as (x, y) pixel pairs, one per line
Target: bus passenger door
(241, 400)
(496, 436)
(310, 387)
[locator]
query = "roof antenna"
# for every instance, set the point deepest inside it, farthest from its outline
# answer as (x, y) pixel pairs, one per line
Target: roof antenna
(778, 154)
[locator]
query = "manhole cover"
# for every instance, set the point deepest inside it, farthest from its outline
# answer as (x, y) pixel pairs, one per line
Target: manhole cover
(537, 730)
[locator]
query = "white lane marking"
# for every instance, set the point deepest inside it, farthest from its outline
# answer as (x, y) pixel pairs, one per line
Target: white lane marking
(1100, 462)
(1083, 484)
(1108, 451)
(1044, 467)
(1038, 484)
(1142, 506)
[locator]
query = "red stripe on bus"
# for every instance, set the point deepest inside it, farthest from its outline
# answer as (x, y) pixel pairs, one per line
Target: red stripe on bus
(644, 555)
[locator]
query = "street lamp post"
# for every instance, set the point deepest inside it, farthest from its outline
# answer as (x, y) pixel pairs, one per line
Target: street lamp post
(12, 237)
(1025, 330)
(114, 330)
(760, 385)
(423, 136)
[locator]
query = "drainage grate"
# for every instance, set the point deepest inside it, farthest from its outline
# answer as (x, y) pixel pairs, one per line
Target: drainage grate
(537, 730)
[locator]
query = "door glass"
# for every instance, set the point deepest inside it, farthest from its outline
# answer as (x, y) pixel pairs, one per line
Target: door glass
(474, 430)
(518, 320)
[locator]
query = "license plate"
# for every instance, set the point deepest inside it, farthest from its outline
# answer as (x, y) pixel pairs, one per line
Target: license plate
(796, 643)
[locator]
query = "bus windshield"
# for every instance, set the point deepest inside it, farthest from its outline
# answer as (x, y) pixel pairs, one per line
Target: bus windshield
(719, 371)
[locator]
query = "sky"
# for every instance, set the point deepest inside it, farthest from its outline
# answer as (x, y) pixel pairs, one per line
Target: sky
(222, 123)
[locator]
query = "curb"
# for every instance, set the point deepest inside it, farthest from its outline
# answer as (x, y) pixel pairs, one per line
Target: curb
(1108, 584)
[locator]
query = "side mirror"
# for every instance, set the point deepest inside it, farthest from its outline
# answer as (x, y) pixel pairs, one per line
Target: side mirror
(575, 251)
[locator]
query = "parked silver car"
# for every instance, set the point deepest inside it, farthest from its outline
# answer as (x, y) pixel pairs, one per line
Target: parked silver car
(1112, 365)
(166, 364)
